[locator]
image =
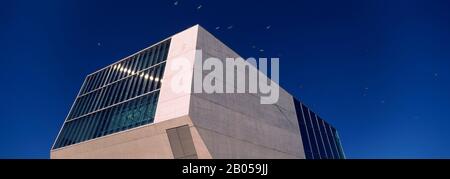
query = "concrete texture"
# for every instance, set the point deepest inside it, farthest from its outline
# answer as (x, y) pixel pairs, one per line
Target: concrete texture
(237, 125)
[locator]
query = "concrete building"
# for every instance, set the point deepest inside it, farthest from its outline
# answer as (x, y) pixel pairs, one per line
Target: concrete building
(128, 110)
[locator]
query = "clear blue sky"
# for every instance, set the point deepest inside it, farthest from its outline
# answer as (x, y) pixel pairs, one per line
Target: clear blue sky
(378, 70)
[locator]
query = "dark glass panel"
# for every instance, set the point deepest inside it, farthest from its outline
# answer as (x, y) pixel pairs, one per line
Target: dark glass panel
(311, 133)
(332, 142)
(325, 140)
(102, 89)
(338, 143)
(318, 135)
(303, 130)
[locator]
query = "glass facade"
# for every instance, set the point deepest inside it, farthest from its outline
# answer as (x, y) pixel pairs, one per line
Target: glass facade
(320, 139)
(119, 97)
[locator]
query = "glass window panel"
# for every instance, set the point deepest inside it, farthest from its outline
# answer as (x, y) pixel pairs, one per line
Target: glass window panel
(324, 137)
(132, 87)
(138, 88)
(110, 75)
(106, 97)
(152, 58)
(74, 108)
(83, 124)
(151, 79)
(127, 89)
(93, 117)
(85, 102)
(115, 88)
(118, 117)
(91, 85)
(323, 154)
(330, 139)
(86, 128)
(79, 107)
(92, 126)
(338, 142)
(163, 50)
(161, 73)
(141, 60)
(61, 136)
(102, 78)
(311, 133)
(110, 95)
(86, 83)
(335, 143)
(107, 121)
(114, 72)
(98, 130)
(147, 80)
(113, 117)
(107, 74)
(156, 78)
(157, 54)
(122, 92)
(89, 101)
(122, 70)
(122, 116)
(144, 81)
(135, 60)
(65, 140)
(129, 114)
(303, 130)
(161, 54)
(138, 62)
(152, 107)
(79, 130)
(98, 98)
(167, 49)
(129, 64)
(105, 80)
(74, 132)
(119, 91)
(97, 80)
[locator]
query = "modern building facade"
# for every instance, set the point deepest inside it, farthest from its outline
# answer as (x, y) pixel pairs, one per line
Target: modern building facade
(128, 110)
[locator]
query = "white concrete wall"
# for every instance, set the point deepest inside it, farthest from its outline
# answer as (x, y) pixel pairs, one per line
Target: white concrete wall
(237, 125)
(172, 104)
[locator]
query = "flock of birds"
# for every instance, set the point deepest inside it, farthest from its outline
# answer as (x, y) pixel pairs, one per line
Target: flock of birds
(229, 27)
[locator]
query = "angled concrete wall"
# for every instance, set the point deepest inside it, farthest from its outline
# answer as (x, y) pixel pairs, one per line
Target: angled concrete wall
(171, 103)
(237, 125)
